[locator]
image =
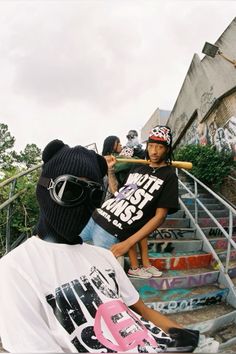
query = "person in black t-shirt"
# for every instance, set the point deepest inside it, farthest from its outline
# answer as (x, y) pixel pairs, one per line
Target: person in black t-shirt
(139, 207)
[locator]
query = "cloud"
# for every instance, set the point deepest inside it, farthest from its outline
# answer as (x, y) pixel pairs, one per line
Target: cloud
(83, 70)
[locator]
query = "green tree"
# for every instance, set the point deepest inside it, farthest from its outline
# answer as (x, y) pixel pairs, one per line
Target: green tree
(24, 210)
(30, 156)
(6, 143)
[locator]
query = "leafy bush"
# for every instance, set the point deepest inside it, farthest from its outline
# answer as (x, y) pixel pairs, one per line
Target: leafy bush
(209, 165)
(24, 210)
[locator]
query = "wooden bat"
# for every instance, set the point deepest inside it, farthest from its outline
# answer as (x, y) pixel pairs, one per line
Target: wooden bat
(178, 164)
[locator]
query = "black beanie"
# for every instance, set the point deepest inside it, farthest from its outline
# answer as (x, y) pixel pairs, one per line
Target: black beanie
(66, 223)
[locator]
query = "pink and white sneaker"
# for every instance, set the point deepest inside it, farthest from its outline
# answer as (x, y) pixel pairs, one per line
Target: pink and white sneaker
(139, 273)
(153, 271)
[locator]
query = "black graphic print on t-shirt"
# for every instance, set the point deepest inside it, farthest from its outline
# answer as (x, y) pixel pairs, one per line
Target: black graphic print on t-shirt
(91, 311)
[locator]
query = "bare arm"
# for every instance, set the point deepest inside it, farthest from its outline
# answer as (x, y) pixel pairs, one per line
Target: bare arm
(112, 181)
(155, 317)
(122, 247)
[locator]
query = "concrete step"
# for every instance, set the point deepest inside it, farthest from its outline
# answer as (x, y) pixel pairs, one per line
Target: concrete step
(222, 255)
(207, 222)
(163, 233)
(214, 231)
(180, 300)
(213, 206)
(226, 336)
(207, 320)
(173, 246)
(176, 223)
(220, 243)
(216, 213)
(190, 201)
(181, 260)
(178, 214)
(173, 279)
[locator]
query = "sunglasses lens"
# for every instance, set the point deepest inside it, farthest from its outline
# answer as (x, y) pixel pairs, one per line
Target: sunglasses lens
(68, 191)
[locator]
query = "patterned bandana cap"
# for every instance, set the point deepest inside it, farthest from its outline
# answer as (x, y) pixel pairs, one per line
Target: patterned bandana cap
(127, 151)
(161, 134)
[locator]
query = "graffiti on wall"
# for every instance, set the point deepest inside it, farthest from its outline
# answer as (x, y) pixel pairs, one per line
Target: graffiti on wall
(223, 137)
(191, 137)
(205, 133)
(230, 134)
(206, 101)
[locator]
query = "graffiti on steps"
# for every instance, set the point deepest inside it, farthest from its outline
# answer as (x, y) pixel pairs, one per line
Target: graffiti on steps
(221, 244)
(223, 221)
(214, 231)
(147, 292)
(190, 304)
(188, 281)
(182, 262)
(172, 234)
(161, 247)
(223, 255)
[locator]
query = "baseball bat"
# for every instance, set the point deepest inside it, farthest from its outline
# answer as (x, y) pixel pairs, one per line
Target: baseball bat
(178, 164)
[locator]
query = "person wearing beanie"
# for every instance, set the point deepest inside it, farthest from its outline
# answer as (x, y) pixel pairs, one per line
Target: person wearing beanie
(60, 295)
(139, 207)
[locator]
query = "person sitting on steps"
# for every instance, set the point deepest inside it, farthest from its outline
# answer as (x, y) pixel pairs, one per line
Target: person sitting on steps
(139, 207)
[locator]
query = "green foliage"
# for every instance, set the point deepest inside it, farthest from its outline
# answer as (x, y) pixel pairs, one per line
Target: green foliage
(6, 142)
(24, 210)
(209, 165)
(6, 139)
(30, 156)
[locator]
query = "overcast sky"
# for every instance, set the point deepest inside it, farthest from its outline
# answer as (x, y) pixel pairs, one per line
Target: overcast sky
(82, 70)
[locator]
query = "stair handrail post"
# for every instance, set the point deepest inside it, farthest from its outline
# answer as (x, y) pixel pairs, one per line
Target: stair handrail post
(195, 201)
(8, 222)
(230, 233)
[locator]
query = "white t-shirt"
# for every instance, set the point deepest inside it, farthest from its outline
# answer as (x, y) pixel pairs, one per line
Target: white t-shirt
(63, 298)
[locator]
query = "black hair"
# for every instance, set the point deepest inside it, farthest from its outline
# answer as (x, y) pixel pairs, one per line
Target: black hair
(108, 145)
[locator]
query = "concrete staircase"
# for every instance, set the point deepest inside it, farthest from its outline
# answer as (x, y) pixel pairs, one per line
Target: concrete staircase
(194, 290)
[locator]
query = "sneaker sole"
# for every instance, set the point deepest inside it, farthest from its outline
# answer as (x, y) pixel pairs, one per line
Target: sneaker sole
(156, 276)
(138, 276)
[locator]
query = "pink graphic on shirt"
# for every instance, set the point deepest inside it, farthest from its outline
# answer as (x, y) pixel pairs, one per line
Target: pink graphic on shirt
(126, 329)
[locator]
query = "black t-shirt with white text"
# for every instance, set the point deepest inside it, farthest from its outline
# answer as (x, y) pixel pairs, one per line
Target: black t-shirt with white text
(145, 190)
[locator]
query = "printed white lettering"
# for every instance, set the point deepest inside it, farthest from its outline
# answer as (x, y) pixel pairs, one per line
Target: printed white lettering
(119, 207)
(149, 182)
(156, 185)
(127, 213)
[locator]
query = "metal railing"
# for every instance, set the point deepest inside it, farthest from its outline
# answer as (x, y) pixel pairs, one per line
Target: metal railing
(12, 181)
(225, 230)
